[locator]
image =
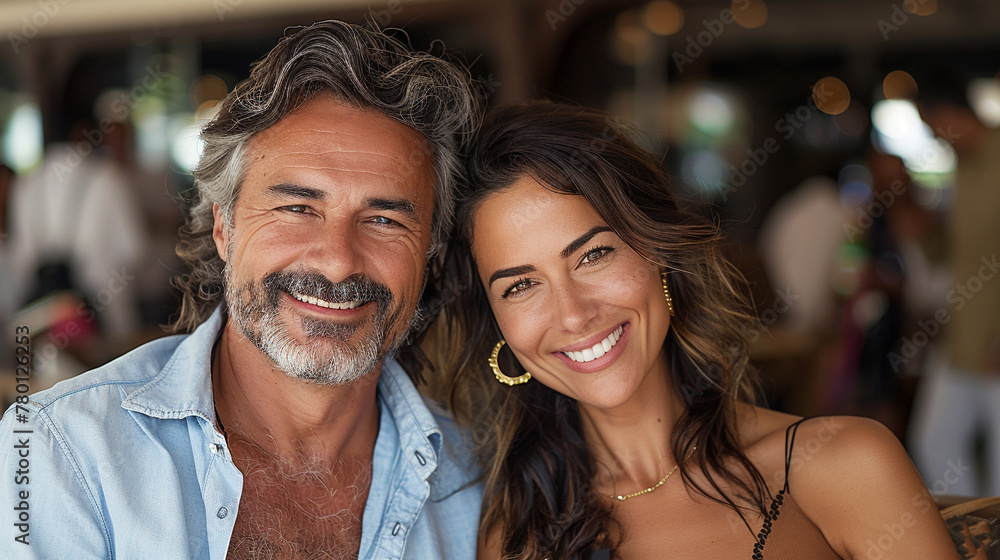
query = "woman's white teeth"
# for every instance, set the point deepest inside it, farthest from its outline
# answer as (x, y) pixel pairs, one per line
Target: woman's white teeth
(597, 350)
(323, 303)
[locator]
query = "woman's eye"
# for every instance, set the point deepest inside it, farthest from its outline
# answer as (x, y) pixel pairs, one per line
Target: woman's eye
(595, 254)
(517, 287)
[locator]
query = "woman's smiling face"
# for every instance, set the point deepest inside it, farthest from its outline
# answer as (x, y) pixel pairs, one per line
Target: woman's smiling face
(582, 311)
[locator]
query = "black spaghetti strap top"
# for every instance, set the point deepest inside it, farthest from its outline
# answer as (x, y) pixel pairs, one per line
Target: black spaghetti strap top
(775, 510)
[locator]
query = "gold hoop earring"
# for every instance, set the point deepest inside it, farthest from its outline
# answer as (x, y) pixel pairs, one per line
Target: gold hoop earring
(666, 293)
(495, 366)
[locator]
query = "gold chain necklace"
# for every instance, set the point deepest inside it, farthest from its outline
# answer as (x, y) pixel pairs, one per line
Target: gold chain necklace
(623, 497)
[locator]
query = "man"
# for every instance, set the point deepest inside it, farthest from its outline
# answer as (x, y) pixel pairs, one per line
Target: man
(281, 427)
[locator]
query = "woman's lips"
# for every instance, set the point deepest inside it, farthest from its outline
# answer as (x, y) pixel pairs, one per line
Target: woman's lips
(591, 362)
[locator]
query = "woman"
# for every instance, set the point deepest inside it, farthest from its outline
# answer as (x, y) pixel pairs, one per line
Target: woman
(623, 420)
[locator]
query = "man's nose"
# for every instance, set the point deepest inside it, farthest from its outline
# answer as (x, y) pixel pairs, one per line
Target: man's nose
(336, 250)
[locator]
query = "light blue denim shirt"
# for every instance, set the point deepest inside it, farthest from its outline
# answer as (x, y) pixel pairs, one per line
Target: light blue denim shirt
(125, 462)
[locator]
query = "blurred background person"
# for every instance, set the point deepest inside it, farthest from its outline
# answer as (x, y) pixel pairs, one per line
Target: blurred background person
(6, 296)
(800, 242)
(885, 250)
(76, 243)
(959, 405)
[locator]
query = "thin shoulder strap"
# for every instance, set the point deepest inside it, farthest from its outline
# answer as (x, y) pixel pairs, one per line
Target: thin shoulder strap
(775, 509)
(789, 445)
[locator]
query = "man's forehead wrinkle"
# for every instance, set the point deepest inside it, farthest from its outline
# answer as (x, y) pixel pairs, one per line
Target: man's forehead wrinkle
(337, 136)
(295, 134)
(332, 168)
(340, 152)
(328, 151)
(336, 132)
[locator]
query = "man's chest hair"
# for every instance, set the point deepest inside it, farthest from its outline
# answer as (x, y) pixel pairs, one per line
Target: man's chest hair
(312, 510)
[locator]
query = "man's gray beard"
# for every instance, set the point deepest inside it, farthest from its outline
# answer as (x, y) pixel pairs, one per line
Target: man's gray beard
(328, 357)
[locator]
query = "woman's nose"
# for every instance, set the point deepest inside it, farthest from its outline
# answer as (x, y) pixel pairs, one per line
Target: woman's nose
(575, 307)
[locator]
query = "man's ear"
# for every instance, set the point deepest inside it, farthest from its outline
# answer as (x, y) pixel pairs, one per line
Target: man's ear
(220, 232)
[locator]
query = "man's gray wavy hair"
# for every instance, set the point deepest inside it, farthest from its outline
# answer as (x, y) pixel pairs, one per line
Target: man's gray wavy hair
(359, 66)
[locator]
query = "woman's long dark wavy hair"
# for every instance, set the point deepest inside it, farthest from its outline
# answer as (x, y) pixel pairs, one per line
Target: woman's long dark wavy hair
(539, 499)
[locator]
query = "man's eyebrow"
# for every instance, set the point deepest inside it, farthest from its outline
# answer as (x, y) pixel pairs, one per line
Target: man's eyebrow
(579, 241)
(296, 191)
(512, 271)
(392, 205)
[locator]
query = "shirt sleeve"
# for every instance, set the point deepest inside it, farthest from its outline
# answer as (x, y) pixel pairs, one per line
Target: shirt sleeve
(47, 509)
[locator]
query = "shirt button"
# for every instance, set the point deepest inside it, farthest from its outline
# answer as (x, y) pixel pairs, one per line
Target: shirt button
(395, 529)
(420, 458)
(222, 513)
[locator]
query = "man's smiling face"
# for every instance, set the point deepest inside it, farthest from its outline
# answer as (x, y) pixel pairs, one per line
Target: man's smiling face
(326, 256)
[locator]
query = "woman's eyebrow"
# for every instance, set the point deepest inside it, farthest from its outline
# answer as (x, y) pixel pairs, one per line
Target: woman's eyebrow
(579, 241)
(512, 271)
(569, 250)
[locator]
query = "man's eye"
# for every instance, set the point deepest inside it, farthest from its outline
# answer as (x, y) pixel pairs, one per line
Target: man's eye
(595, 254)
(518, 287)
(382, 220)
(296, 208)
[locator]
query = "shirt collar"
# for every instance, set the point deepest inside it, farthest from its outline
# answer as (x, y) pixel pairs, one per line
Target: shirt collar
(439, 452)
(184, 385)
(184, 388)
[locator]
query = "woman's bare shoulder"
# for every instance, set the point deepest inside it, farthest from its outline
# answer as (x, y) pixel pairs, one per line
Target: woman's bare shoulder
(854, 480)
(766, 432)
(823, 448)
(762, 434)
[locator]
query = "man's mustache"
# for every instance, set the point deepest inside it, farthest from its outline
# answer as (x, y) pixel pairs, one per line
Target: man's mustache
(357, 287)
